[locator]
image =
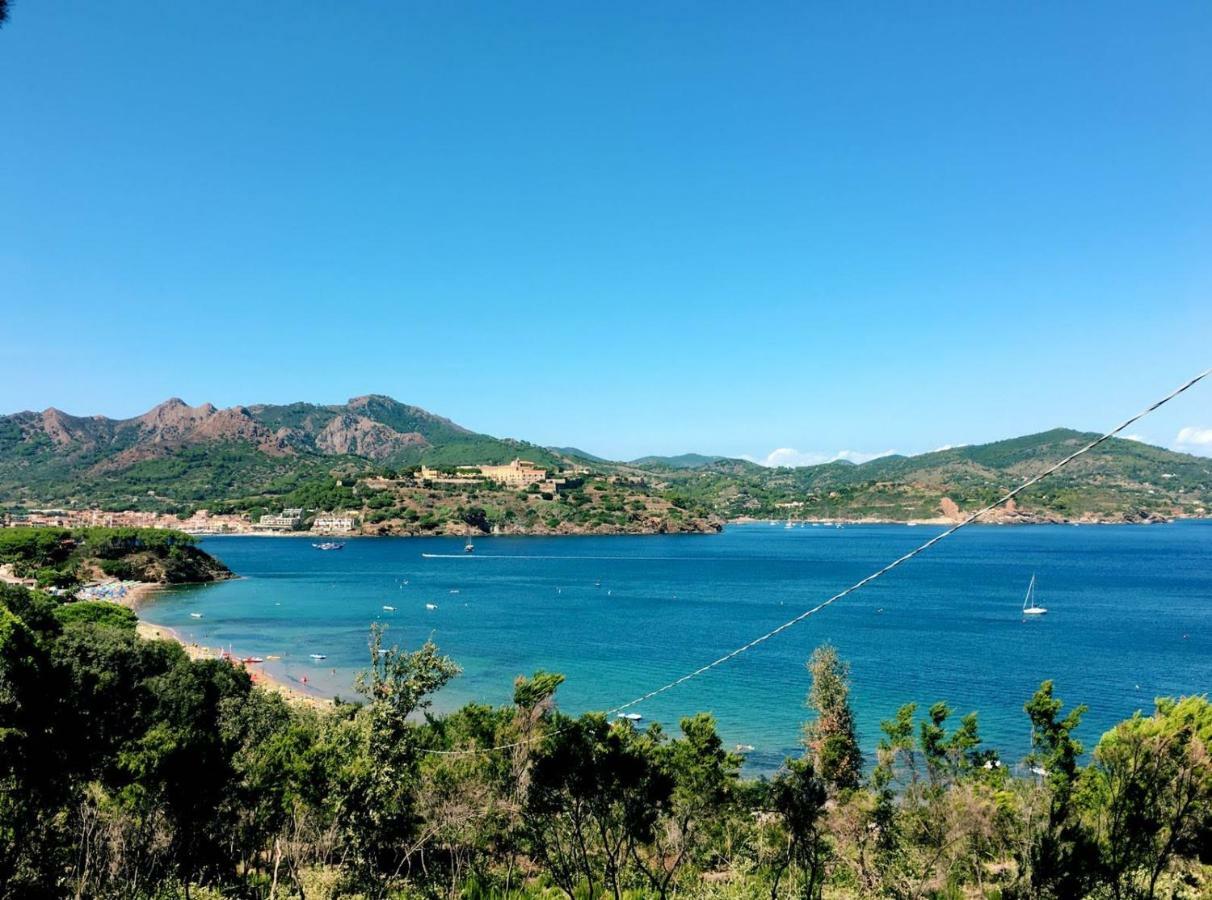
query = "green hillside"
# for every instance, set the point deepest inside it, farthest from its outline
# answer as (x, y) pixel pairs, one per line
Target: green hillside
(63, 557)
(1119, 480)
(177, 458)
(682, 461)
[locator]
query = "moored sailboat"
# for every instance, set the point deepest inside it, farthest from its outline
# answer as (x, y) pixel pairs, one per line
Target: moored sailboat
(1030, 607)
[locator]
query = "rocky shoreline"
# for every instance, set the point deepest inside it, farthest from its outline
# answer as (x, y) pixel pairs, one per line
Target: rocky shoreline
(564, 529)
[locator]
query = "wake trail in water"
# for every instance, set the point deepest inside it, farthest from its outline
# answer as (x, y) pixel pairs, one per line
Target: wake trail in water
(468, 556)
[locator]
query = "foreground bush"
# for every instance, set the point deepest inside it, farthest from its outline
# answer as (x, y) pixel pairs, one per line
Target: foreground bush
(127, 770)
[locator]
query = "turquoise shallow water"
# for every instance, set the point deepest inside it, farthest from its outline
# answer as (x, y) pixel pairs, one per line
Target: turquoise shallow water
(1130, 610)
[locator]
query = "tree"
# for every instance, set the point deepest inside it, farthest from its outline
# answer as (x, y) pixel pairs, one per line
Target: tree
(1061, 857)
(181, 766)
(273, 806)
(374, 755)
(534, 702)
(949, 757)
(31, 786)
(705, 777)
(799, 796)
(596, 793)
(99, 613)
(1149, 794)
(832, 738)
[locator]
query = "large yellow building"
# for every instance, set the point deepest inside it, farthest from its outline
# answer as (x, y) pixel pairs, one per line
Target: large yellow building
(520, 474)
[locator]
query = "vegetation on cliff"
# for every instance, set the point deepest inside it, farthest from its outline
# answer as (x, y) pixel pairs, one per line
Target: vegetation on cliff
(584, 505)
(62, 557)
(128, 770)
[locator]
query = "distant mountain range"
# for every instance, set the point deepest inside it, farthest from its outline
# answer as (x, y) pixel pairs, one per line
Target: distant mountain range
(181, 456)
(683, 461)
(196, 453)
(1121, 480)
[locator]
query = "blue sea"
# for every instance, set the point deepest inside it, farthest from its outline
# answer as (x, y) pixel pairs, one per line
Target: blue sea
(1130, 609)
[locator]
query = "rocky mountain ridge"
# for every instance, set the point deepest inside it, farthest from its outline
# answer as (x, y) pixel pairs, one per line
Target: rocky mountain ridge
(180, 457)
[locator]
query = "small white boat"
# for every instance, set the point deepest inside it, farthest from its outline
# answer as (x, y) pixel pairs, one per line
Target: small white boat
(195, 615)
(744, 748)
(318, 656)
(454, 590)
(431, 606)
(1030, 607)
(389, 609)
(630, 717)
(469, 547)
(329, 545)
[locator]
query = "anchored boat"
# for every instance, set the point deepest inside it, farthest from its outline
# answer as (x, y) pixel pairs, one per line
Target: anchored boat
(1030, 607)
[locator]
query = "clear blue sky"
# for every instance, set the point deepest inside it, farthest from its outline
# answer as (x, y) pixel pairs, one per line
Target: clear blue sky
(627, 227)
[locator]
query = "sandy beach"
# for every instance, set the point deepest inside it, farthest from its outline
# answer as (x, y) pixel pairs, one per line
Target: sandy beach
(153, 632)
(136, 594)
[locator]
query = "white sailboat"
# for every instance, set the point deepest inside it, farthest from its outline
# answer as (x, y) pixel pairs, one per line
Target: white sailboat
(1030, 607)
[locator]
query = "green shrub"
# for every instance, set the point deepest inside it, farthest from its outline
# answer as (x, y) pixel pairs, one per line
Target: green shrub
(97, 612)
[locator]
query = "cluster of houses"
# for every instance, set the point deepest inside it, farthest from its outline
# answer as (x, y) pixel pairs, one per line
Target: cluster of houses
(292, 520)
(201, 522)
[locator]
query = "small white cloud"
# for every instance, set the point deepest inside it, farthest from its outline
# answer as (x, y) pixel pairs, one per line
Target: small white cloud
(1194, 439)
(1200, 437)
(1140, 438)
(789, 456)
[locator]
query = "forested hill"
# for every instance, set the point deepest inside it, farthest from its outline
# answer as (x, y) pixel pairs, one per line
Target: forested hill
(66, 557)
(178, 457)
(194, 454)
(1120, 480)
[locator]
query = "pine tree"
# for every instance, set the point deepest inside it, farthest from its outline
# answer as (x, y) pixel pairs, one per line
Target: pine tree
(831, 738)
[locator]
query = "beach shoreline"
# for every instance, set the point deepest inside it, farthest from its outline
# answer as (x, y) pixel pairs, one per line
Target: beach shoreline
(154, 632)
(140, 594)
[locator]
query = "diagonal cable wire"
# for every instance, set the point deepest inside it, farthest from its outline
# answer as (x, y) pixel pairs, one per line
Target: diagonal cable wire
(858, 585)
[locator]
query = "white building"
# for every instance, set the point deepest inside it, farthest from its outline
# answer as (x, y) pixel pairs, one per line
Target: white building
(289, 520)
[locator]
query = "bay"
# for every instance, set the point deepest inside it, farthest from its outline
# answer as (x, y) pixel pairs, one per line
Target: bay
(1129, 615)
